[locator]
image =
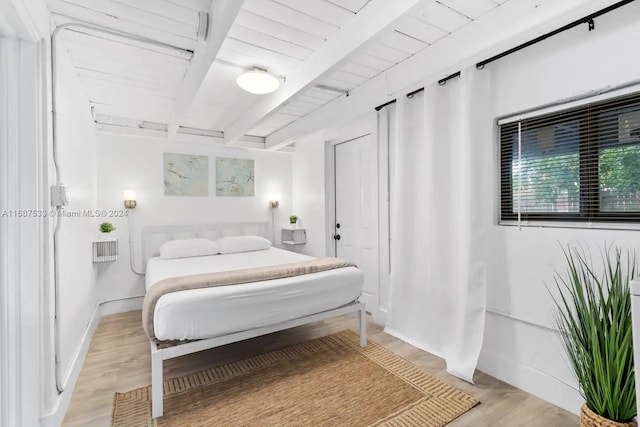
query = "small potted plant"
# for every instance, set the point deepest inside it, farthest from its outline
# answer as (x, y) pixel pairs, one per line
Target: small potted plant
(593, 316)
(293, 219)
(106, 228)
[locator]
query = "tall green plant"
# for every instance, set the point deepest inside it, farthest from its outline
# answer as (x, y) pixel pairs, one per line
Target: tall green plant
(594, 319)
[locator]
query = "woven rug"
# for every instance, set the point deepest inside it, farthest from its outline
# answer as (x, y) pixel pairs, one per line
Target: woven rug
(330, 381)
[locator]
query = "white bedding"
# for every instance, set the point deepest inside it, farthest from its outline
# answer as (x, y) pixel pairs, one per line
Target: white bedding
(211, 312)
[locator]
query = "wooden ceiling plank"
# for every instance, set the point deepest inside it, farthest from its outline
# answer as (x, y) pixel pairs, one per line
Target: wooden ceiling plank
(303, 105)
(102, 40)
(262, 131)
(133, 89)
(353, 5)
(195, 5)
(149, 108)
(106, 77)
(374, 62)
(166, 9)
(255, 51)
(291, 17)
(120, 72)
(352, 79)
(136, 17)
(283, 47)
(102, 90)
(321, 94)
(360, 70)
(339, 84)
(310, 100)
(387, 53)
(113, 64)
(245, 56)
(443, 17)
(118, 52)
(421, 30)
(65, 13)
(292, 111)
(279, 30)
(320, 9)
(222, 15)
(377, 19)
(403, 43)
(472, 9)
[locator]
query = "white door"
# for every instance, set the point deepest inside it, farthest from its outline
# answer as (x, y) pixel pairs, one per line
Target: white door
(356, 220)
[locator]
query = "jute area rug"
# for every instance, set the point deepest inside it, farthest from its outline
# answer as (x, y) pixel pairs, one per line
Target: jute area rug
(330, 381)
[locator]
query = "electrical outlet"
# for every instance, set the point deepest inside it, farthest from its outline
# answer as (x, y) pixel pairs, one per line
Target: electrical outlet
(59, 195)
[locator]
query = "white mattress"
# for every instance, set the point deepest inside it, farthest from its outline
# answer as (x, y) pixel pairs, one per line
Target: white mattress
(211, 312)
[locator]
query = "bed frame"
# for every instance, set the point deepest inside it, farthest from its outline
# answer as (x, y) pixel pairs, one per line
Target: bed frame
(154, 236)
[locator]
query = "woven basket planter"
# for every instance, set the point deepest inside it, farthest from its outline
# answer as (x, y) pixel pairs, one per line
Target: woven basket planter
(588, 418)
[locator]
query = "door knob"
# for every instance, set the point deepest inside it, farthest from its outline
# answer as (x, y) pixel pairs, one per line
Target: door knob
(338, 225)
(336, 237)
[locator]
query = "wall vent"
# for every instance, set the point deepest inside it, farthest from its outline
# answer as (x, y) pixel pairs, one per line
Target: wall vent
(105, 251)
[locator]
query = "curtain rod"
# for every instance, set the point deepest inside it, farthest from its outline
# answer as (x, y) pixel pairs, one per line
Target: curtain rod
(380, 107)
(410, 94)
(444, 81)
(586, 20)
(440, 82)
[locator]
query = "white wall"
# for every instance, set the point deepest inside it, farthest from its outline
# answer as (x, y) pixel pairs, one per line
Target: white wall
(518, 345)
(77, 162)
(130, 162)
(523, 261)
(308, 184)
(76, 271)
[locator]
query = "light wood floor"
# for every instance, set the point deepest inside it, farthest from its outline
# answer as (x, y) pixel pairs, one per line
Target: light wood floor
(119, 360)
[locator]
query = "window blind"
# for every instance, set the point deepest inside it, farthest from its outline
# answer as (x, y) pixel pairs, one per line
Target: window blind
(578, 164)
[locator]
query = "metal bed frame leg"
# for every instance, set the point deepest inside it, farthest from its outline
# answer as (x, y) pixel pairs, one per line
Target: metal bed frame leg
(363, 327)
(156, 381)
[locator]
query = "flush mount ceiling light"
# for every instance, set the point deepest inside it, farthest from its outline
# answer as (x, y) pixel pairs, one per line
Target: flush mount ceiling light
(258, 81)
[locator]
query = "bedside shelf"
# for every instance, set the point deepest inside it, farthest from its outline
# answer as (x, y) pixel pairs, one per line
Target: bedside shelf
(293, 236)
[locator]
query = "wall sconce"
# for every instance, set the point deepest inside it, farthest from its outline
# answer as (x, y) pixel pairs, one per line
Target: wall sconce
(274, 200)
(130, 199)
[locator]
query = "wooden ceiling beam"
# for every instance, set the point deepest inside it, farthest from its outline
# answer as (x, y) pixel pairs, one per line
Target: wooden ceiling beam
(374, 21)
(222, 14)
(518, 21)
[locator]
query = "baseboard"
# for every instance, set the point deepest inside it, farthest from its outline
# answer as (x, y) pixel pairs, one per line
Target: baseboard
(121, 305)
(56, 417)
(532, 381)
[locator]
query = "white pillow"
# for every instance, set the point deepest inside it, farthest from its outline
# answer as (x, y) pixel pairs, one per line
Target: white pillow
(234, 244)
(184, 248)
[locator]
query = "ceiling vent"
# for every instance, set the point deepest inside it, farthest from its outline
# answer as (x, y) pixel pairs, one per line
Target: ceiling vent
(202, 33)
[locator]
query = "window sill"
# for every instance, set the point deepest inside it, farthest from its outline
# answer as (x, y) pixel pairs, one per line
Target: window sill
(568, 224)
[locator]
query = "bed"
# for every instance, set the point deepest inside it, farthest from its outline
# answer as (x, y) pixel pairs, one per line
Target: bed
(188, 321)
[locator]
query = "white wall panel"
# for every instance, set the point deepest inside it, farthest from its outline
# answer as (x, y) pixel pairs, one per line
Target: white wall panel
(128, 162)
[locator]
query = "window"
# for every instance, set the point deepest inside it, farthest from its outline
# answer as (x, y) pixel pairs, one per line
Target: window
(579, 164)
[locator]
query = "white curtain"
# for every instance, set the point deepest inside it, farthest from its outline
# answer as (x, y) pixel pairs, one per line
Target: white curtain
(441, 206)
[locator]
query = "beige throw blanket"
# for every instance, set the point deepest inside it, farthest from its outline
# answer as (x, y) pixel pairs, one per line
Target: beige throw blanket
(235, 277)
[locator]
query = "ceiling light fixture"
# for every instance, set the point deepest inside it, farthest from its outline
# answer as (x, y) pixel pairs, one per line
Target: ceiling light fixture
(258, 81)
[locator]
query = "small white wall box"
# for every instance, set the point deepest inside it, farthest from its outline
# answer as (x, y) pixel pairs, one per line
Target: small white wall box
(105, 251)
(294, 236)
(59, 195)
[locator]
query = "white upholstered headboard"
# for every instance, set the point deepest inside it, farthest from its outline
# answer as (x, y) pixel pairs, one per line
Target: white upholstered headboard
(154, 236)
